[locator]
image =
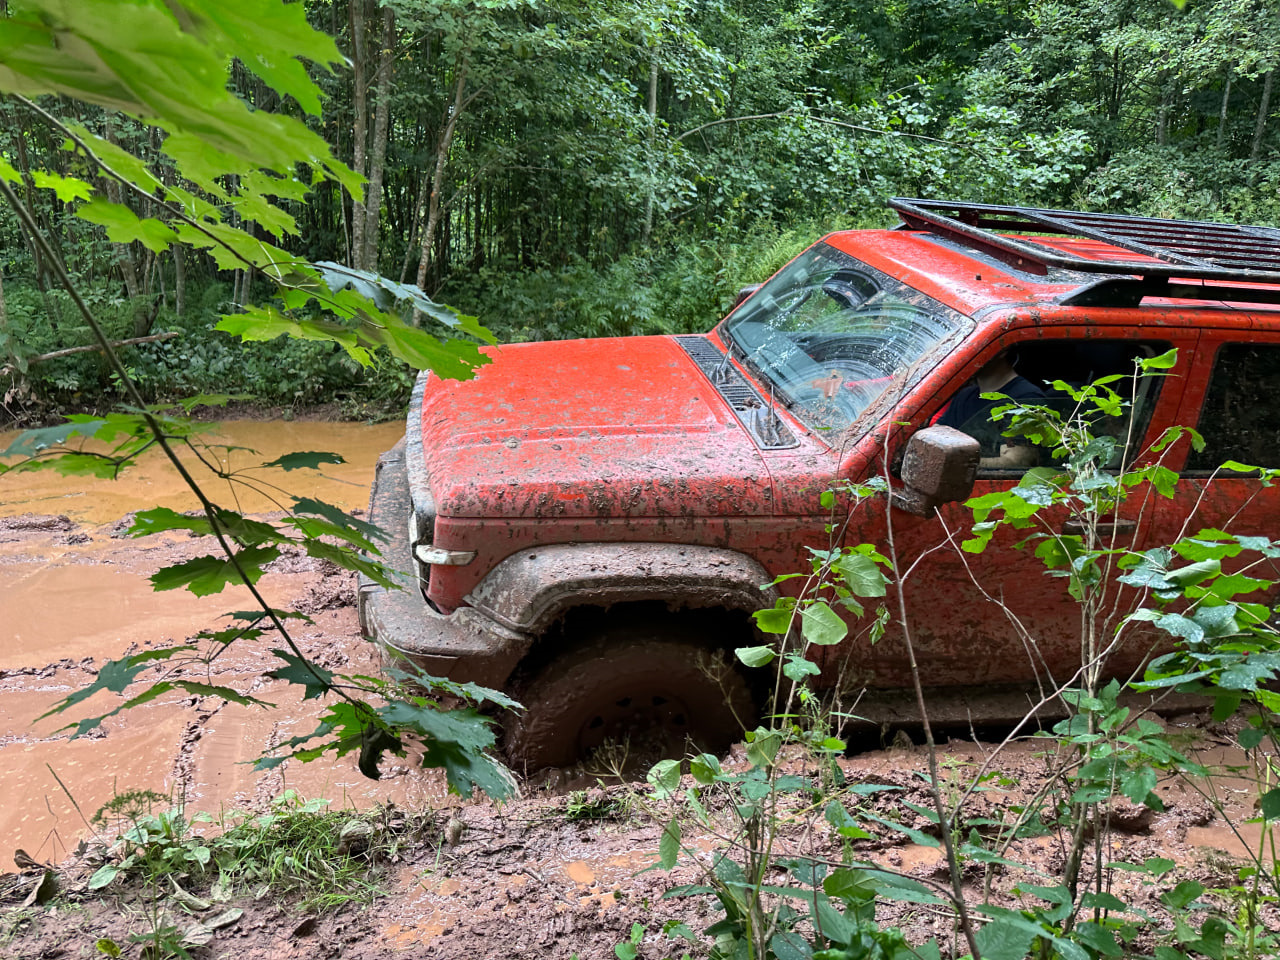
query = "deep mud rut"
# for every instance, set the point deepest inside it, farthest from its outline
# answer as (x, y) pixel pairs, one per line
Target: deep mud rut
(521, 879)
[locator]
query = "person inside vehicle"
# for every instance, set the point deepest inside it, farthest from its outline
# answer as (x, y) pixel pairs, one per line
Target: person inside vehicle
(971, 414)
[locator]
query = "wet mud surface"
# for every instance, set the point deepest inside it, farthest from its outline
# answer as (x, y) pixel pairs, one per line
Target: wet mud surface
(471, 879)
(74, 593)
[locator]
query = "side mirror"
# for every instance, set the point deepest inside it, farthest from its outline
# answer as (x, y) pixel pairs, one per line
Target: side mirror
(745, 292)
(939, 466)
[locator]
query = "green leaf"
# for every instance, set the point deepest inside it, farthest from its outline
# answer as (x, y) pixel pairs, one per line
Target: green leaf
(1102, 901)
(267, 323)
(1166, 361)
(1269, 804)
(115, 676)
(1137, 786)
(147, 522)
(1250, 737)
(223, 693)
(862, 575)
(845, 825)
(1155, 866)
(1194, 572)
(669, 845)
(1181, 895)
(664, 777)
(789, 945)
(1005, 939)
(705, 767)
(755, 656)
(338, 517)
(31, 442)
(776, 619)
(66, 188)
(314, 679)
(821, 625)
(124, 226)
(107, 946)
(101, 877)
(797, 668)
(914, 835)
(1098, 938)
(208, 574)
(845, 883)
(352, 560)
(763, 746)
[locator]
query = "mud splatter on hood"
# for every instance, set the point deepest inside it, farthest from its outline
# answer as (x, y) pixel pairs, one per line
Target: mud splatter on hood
(612, 427)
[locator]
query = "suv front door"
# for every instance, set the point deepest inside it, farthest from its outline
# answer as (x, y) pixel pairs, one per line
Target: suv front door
(997, 617)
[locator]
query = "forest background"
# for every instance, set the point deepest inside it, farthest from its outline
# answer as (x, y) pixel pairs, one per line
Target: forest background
(594, 167)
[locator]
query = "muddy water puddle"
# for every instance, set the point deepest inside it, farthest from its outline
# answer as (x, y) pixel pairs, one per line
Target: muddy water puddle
(74, 593)
(154, 483)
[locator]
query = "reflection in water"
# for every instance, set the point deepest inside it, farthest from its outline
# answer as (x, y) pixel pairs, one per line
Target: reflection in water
(154, 483)
(73, 596)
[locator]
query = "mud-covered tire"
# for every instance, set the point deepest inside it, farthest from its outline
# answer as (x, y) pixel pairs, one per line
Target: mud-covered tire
(634, 685)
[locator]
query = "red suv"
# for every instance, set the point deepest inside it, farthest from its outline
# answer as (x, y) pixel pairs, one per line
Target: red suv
(588, 524)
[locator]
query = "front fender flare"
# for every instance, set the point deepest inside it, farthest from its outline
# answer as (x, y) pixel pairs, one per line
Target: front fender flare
(528, 590)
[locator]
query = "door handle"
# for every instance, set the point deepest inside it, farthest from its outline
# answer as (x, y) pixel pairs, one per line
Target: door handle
(1108, 527)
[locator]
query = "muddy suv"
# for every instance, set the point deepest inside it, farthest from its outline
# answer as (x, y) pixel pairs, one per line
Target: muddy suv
(588, 524)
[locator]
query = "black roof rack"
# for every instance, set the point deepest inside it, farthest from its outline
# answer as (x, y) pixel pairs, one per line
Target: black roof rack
(1185, 249)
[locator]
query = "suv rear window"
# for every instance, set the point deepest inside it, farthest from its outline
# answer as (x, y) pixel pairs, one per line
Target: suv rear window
(1239, 418)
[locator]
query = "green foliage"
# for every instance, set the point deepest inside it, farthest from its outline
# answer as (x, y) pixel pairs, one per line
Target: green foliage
(297, 849)
(1201, 591)
(166, 65)
(567, 208)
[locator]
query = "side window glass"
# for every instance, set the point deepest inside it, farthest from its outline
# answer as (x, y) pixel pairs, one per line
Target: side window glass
(1239, 420)
(1027, 372)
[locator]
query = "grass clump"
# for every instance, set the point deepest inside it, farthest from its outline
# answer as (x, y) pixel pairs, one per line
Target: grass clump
(298, 849)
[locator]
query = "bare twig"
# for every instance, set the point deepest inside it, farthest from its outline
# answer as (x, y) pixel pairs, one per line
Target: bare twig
(89, 347)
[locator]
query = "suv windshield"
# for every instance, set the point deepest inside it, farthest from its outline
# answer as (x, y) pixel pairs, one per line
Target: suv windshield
(830, 334)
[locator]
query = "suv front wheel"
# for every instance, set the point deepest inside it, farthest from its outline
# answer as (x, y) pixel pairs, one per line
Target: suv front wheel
(652, 693)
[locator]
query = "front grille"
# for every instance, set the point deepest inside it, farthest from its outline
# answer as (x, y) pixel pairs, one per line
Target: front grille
(751, 409)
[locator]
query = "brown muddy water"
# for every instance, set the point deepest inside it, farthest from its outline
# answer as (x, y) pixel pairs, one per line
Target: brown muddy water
(74, 593)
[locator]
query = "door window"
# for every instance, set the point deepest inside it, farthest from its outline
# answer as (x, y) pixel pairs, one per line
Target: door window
(1031, 369)
(1240, 419)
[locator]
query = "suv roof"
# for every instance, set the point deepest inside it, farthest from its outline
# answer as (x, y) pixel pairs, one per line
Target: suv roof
(1139, 256)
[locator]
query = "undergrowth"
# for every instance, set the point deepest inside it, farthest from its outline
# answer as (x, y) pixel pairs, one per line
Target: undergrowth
(795, 872)
(298, 850)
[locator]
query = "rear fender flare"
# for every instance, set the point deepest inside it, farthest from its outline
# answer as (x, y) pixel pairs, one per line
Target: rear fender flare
(530, 589)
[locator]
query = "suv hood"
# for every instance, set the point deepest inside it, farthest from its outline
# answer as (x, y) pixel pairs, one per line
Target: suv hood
(618, 427)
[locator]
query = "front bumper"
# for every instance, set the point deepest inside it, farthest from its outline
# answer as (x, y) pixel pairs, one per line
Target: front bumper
(464, 646)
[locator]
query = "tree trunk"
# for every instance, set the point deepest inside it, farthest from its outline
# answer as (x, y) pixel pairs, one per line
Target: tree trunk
(124, 251)
(1162, 117)
(1222, 114)
(179, 279)
(653, 131)
(443, 149)
(419, 206)
(378, 160)
(1264, 108)
(4, 323)
(360, 122)
(37, 260)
